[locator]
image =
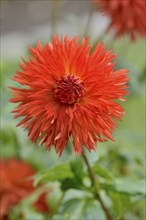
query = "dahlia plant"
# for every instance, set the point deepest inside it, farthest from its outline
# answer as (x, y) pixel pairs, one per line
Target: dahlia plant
(68, 97)
(70, 92)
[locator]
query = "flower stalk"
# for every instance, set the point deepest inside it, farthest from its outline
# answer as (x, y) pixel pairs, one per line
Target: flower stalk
(54, 16)
(87, 27)
(96, 191)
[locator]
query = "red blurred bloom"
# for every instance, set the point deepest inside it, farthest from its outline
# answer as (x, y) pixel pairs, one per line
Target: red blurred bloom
(69, 92)
(17, 185)
(127, 16)
(41, 204)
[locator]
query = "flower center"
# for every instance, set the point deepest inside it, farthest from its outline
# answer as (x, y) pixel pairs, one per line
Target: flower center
(70, 89)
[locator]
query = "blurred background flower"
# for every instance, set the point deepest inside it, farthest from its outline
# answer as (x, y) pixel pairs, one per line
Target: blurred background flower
(127, 16)
(17, 184)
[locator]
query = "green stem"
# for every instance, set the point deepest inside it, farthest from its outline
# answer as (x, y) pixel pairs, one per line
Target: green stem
(88, 22)
(55, 210)
(124, 218)
(96, 194)
(54, 16)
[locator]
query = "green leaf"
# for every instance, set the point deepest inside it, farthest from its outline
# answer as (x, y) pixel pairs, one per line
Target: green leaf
(58, 172)
(102, 172)
(54, 195)
(76, 182)
(30, 213)
(131, 187)
(121, 204)
(85, 209)
(125, 186)
(69, 183)
(92, 210)
(77, 167)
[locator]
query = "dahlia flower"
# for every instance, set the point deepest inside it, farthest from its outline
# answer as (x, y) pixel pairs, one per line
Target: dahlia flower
(16, 185)
(127, 16)
(69, 92)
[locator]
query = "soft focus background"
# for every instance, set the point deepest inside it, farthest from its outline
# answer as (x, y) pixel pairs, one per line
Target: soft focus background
(23, 24)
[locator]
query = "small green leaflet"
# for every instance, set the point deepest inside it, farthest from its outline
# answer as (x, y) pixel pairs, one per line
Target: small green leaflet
(55, 173)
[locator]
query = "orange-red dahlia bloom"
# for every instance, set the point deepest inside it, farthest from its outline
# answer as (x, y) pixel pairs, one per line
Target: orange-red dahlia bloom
(69, 91)
(16, 184)
(127, 16)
